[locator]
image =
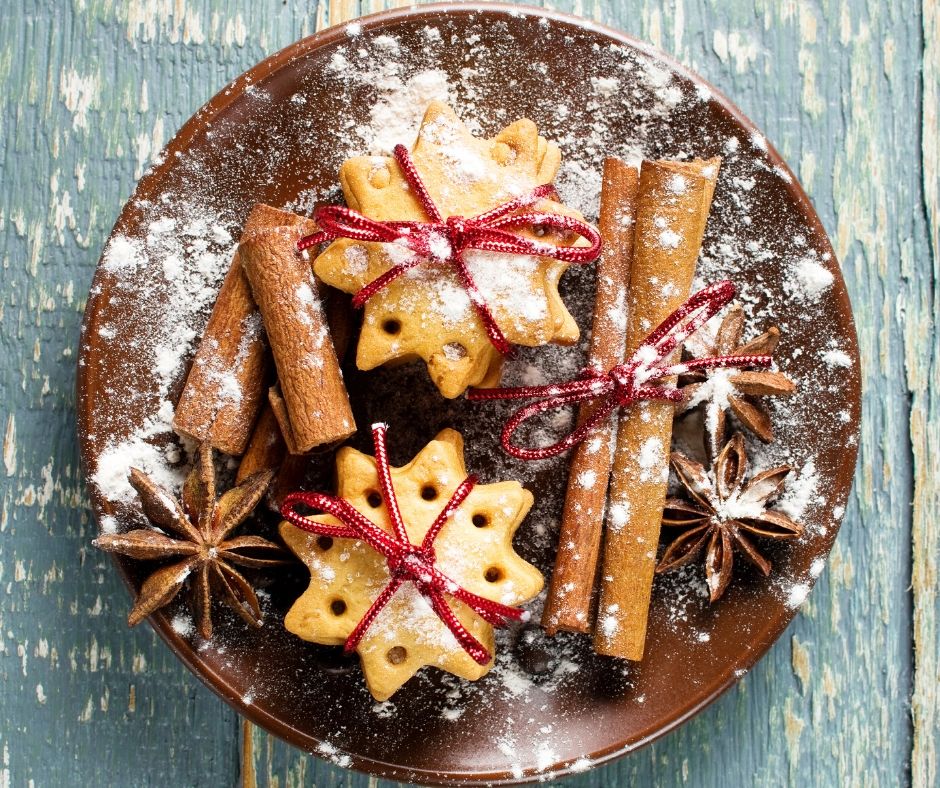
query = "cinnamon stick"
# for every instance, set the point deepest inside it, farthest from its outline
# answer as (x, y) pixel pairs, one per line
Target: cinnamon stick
(310, 380)
(266, 449)
(224, 390)
(288, 479)
(673, 205)
(568, 605)
(279, 409)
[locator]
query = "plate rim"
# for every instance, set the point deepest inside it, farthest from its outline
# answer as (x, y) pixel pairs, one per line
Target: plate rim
(233, 91)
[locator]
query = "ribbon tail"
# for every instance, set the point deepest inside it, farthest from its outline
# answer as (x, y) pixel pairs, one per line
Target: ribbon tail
(314, 239)
(493, 331)
(372, 613)
(714, 362)
(383, 281)
(604, 409)
(468, 642)
(495, 613)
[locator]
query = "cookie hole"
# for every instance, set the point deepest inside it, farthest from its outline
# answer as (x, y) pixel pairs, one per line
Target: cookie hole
(397, 655)
(454, 351)
(373, 499)
(324, 542)
(481, 520)
(337, 607)
(493, 575)
(429, 492)
(391, 326)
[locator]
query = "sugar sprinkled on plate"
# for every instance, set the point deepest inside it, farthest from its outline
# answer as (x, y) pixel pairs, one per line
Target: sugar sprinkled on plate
(401, 79)
(810, 279)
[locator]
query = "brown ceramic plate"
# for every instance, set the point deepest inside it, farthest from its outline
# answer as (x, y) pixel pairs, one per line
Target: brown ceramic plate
(277, 135)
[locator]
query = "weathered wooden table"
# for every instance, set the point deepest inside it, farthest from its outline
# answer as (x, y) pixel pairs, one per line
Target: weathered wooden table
(848, 91)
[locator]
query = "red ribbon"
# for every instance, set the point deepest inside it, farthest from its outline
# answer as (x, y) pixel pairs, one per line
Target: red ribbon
(407, 562)
(626, 383)
(443, 241)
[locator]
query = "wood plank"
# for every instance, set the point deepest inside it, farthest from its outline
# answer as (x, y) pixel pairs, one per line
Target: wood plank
(923, 376)
(94, 88)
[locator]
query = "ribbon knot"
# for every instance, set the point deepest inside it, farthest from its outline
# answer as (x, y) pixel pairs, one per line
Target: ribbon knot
(415, 565)
(458, 228)
(406, 562)
(625, 383)
(444, 240)
(623, 377)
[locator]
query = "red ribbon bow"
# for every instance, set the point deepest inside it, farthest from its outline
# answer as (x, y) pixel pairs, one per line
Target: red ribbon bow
(626, 383)
(444, 241)
(407, 562)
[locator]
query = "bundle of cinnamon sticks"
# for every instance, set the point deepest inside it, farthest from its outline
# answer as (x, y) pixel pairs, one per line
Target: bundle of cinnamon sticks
(652, 222)
(266, 383)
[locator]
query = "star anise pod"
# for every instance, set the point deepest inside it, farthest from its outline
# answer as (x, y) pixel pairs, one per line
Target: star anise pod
(736, 389)
(722, 513)
(197, 530)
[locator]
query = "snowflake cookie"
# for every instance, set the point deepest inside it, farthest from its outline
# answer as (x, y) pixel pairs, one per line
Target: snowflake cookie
(474, 549)
(427, 313)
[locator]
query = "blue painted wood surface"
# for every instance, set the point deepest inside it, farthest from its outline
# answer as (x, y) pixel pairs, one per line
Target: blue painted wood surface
(848, 90)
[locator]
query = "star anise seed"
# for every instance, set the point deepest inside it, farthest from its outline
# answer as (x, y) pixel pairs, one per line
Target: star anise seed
(721, 389)
(722, 512)
(197, 529)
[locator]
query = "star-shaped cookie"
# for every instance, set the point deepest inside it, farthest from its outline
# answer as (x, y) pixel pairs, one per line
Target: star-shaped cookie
(474, 549)
(426, 313)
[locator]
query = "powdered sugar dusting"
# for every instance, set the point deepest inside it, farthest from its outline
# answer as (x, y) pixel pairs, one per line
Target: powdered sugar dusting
(810, 279)
(631, 107)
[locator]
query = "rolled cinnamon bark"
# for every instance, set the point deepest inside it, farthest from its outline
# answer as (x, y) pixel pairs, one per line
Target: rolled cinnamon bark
(568, 605)
(288, 479)
(673, 205)
(266, 449)
(310, 380)
(279, 409)
(224, 390)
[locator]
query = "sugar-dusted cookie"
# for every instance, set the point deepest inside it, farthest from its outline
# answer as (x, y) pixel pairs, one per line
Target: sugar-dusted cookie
(473, 549)
(427, 313)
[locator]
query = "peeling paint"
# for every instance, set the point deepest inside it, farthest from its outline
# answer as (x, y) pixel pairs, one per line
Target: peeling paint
(9, 446)
(793, 726)
(737, 46)
(148, 147)
(799, 659)
(79, 92)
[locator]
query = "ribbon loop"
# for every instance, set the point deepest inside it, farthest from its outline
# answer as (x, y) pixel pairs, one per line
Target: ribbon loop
(625, 383)
(407, 562)
(444, 241)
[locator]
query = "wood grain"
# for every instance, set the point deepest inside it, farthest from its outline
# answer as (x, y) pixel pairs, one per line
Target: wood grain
(923, 375)
(848, 92)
